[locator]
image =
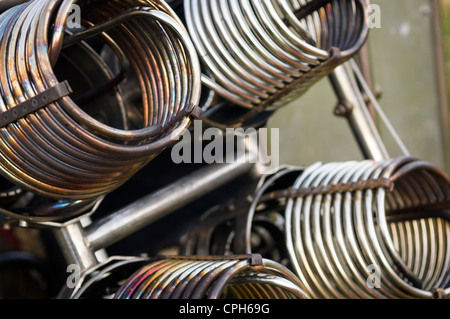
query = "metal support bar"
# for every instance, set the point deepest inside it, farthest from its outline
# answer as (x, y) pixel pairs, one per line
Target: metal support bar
(353, 107)
(141, 213)
(72, 240)
(441, 78)
(110, 229)
(81, 245)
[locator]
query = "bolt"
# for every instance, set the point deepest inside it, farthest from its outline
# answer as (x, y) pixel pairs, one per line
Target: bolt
(343, 109)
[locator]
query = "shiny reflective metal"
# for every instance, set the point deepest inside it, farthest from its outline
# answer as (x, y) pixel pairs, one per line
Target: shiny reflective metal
(223, 229)
(84, 68)
(345, 220)
(212, 277)
(219, 231)
(87, 240)
(108, 274)
(338, 219)
(352, 91)
(131, 218)
(192, 277)
(262, 54)
(352, 106)
(60, 151)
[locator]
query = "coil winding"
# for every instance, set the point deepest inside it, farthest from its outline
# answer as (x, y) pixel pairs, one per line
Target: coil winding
(60, 151)
(260, 55)
(212, 278)
(346, 221)
(187, 277)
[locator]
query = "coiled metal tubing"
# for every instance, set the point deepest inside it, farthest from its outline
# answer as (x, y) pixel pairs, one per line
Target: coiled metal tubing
(211, 278)
(260, 55)
(186, 277)
(82, 66)
(369, 229)
(61, 152)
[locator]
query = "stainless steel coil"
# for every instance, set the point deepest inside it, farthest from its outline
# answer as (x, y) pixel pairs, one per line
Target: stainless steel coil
(191, 277)
(348, 222)
(262, 54)
(211, 278)
(61, 152)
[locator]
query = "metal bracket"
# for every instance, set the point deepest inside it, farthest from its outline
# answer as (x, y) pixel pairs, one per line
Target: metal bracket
(35, 103)
(331, 189)
(255, 260)
(193, 111)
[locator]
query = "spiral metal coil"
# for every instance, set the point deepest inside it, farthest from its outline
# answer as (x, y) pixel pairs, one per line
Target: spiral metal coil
(236, 277)
(87, 72)
(191, 277)
(61, 152)
(262, 54)
(346, 220)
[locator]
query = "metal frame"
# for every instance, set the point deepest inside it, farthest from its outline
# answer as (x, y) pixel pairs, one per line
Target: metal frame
(79, 244)
(351, 105)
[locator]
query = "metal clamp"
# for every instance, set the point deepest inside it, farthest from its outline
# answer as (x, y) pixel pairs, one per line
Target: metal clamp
(35, 103)
(331, 189)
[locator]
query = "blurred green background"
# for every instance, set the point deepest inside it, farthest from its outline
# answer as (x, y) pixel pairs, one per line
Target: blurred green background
(410, 63)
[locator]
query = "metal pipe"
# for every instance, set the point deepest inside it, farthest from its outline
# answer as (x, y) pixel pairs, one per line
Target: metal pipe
(71, 239)
(364, 62)
(357, 114)
(125, 221)
(441, 79)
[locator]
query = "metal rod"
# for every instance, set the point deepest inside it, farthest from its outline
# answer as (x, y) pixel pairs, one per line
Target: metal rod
(357, 114)
(107, 25)
(441, 79)
(364, 61)
(71, 239)
(118, 225)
